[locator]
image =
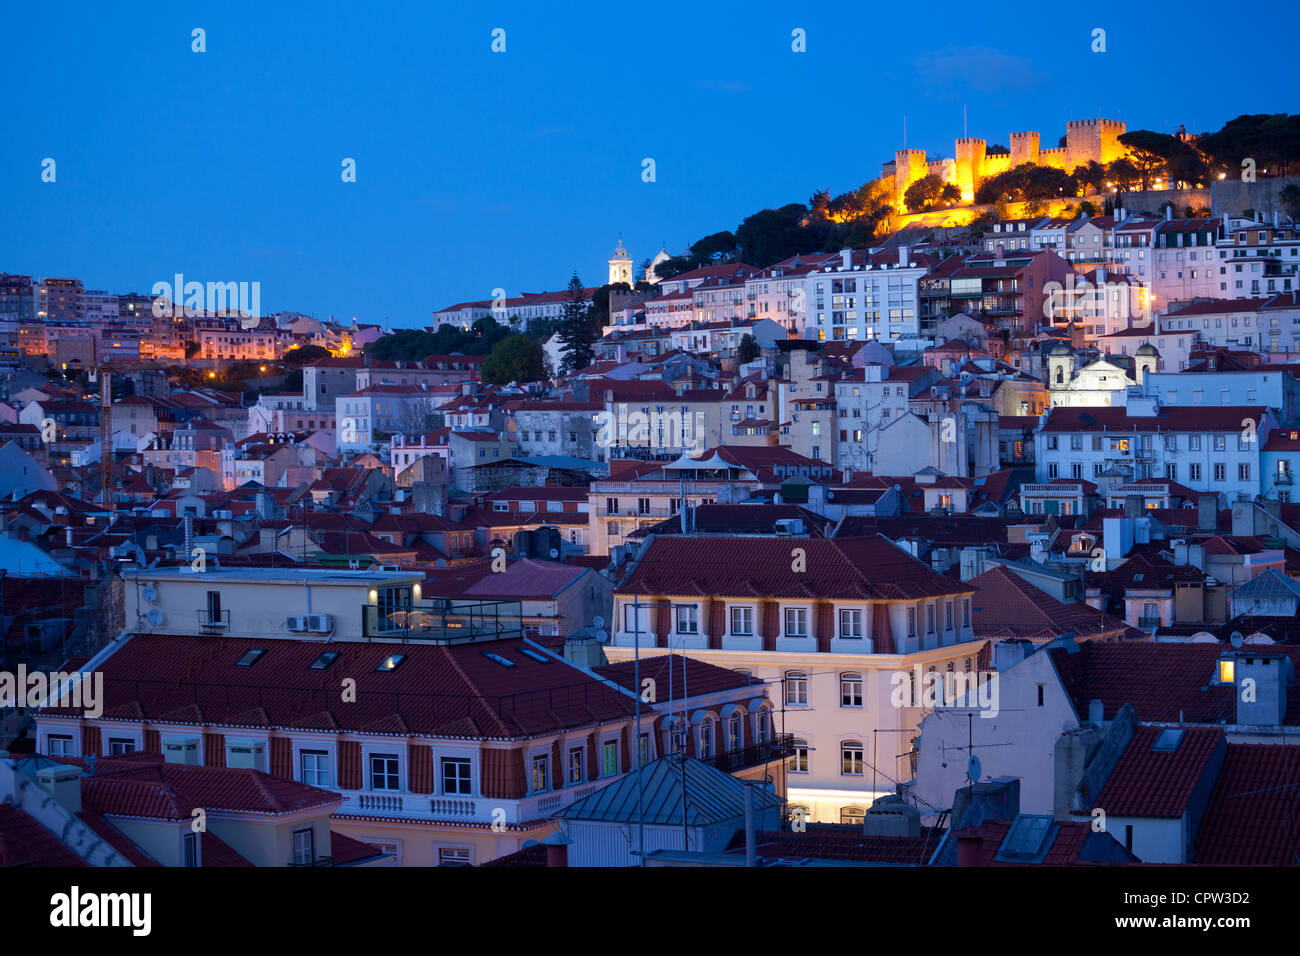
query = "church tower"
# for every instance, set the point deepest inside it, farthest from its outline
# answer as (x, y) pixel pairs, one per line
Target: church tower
(620, 267)
(660, 256)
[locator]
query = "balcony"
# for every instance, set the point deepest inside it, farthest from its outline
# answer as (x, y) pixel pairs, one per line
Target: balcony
(444, 620)
(319, 861)
(780, 747)
(213, 620)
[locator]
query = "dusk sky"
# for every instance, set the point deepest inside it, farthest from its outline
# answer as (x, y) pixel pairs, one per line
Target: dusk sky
(478, 169)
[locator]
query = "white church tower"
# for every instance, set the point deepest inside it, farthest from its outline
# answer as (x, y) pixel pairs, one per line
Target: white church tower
(620, 267)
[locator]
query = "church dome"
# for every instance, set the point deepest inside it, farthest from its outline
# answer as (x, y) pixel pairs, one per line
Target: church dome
(1146, 348)
(1060, 348)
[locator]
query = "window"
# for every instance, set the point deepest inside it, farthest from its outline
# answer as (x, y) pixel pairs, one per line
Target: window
(383, 772)
(851, 760)
(947, 616)
(965, 613)
(911, 622)
(1220, 472)
(850, 690)
(677, 736)
(191, 849)
(796, 622)
(854, 815)
(1193, 472)
(742, 621)
(688, 619)
(455, 775)
(609, 759)
(643, 749)
(705, 748)
(929, 619)
(314, 767)
(851, 623)
(761, 722)
(1243, 472)
(58, 745)
(541, 776)
(575, 765)
(119, 745)
(735, 732)
(796, 688)
(304, 847)
(798, 762)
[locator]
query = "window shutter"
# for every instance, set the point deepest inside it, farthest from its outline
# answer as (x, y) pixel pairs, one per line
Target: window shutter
(92, 741)
(282, 758)
(593, 766)
(420, 760)
(626, 764)
(771, 624)
(557, 765)
(717, 623)
(214, 750)
(825, 625)
(350, 764)
(152, 742)
(503, 774)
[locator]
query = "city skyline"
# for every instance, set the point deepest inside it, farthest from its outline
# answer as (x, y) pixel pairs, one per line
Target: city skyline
(434, 220)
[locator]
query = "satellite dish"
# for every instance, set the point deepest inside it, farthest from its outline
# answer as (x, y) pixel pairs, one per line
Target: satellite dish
(598, 621)
(149, 593)
(1236, 639)
(154, 617)
(973, 769)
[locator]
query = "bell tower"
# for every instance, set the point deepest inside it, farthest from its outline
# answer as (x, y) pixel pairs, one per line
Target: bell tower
(620, 267)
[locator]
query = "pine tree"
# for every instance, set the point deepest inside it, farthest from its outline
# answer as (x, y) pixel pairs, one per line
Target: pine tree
(577, 334)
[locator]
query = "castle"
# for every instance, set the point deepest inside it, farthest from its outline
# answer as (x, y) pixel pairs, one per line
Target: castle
(1094, 139)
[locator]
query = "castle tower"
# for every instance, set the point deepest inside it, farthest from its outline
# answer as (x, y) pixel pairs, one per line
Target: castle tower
(909, 166)
(1095, 140)
(1024, 148)
(970, 166)
(620, 267)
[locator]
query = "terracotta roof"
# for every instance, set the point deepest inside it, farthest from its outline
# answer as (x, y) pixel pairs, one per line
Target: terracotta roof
(1252, 817)
(850, 568)
(1008, 606)
(1147, 782)
(437, 690)
(667, 671)
(24, 842)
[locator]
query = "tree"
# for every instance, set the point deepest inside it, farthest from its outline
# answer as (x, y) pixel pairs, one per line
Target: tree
(1272, 140)
(718, 246)
(1122, 173)
(577, 334)
(1152, 152)
(922, 195)
(747, 350)
(1087, 209)
(516, 358)
(770, 235)
(1290, 197)
(1089, 179)
(950, 193)
(305, 355)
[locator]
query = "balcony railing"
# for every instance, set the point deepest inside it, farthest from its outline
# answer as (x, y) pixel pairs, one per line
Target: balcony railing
(319, 861)
(443, 619)
(1148, 621)
(213, 620)
(779, 747)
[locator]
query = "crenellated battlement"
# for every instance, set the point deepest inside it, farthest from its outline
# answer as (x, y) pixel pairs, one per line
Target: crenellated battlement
(1087, 140)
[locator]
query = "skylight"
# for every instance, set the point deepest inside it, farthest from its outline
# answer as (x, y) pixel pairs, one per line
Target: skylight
(1168, 740)
(390, 662)
(529, 652)
(324, 661)
(499, 659)
(1027, 839)
(250, 657)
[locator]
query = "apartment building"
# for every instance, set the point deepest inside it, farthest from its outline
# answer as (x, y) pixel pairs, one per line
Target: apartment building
(835, 627)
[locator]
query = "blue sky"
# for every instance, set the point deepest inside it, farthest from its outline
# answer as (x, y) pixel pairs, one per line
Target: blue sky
(478, 169)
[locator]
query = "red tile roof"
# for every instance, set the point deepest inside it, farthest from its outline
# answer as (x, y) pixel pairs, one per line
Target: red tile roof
(438, 690)
(849, 568)
(1253, 818)
(1008, 606)
(24, 842)
(1158, 784)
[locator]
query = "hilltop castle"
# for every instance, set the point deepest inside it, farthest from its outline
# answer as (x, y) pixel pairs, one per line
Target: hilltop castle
(1094, 139)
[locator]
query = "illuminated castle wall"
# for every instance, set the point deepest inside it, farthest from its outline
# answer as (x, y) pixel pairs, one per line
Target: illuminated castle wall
(1085, 140)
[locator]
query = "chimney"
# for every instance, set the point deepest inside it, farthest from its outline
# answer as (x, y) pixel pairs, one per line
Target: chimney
(970, 848)
(1207, 513)
(846, 258)
(63, 783)
(1096, 711)
(1169, 213)
(1271, 674)
(1133, 506)
(1008, 653)
(557, 850)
